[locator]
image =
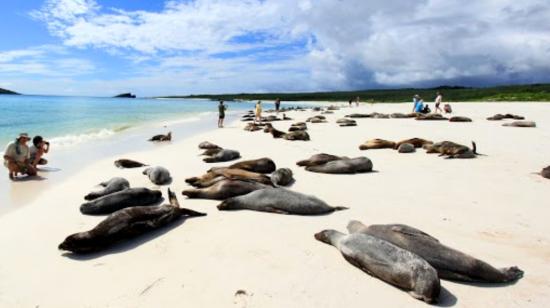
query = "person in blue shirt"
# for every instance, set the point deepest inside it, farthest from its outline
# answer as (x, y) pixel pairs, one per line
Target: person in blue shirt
(418, 103)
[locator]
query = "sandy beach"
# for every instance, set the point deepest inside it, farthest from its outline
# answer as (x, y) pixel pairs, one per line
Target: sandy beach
(494, 207)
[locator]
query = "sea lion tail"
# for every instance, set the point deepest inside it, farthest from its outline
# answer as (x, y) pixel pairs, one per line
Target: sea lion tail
(355, 226)
(173, 199)
(191, 213)
(340, 208)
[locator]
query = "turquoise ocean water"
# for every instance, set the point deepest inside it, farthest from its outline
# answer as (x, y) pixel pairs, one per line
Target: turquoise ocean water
(71, 120)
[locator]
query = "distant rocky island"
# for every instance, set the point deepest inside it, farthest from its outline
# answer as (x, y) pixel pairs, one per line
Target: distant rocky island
(125, 95)
(4, 91)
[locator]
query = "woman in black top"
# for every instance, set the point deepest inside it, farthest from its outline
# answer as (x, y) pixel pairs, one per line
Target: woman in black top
(221, 111)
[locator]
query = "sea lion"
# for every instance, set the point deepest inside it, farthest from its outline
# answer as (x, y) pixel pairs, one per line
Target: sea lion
(498, 117)
(297, 135)
(452, 150)
(167, 137)
(398, 115)
(327, 112)
(223, 156)
(406, 148)
(128, 163)
(205, 145)
(344, 166)
(273, 131)
(521, 124)
(377, 144)
(417, 142)
(297, 126)
(450, 263)
(215, 175)
(252, 127)
(210, 152)
(317, 159)
(126, 224)
(282, 177)
(387, 262)
(459, 119)
(158, 175)
(280, 201)
(260, 165)
(121, 199)
(333, 108)
(346, 122)
(224, 189)
(317, 119)
(358, 115)
(545, 172)
(111, 186)
(376, 115)
(431, 117)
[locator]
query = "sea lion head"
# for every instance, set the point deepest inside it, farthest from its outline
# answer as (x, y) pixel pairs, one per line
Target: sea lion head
(78, 242)
(328, 236)
(428, 286)
(147, 170)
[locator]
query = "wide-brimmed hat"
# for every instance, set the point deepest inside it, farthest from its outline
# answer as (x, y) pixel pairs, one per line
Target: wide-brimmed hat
(24, 135)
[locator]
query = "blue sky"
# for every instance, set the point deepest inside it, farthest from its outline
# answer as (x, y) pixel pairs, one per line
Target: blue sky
(104, 47)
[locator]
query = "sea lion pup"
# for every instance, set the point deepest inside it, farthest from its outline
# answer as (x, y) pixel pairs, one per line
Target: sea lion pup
(260, 165)
(406, 148)
(318, 159)
(297, 135)
(459, 119)
(358, 115)
(297, 126)
(377, 144)
(344, 166)
(417, 142)
(126, 224)
(167, 137)
(128, 163)
(224, 189)
(205, 145)
(545, 172)
(431, 117)
(274, 132)
(450, 264)
(280, 201)
(210, 152)
(121, 199)
(111, 186)
(521, 124)
(387, 262)
(282, 177)
(222, 156)
(158, 175)
(451, 149)
(346, 122)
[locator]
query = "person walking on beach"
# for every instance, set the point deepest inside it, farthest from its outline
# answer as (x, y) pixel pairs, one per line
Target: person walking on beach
(258, 112)
(438, 100)
(221, 114)
(37, 150)
(17, 157)
(277, 104)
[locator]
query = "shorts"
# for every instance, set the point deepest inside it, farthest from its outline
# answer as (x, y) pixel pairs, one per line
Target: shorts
(222, 116)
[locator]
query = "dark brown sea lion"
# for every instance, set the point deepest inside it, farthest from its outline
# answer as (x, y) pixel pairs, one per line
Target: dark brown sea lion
(387, 262)
(417, 142)
(431, 117)
(450, 263)
(128, 163)
(121, 199)
(223, 156)
(377, 144)
(358, 115)
(224, 189)
(210, 152)
(377, 115)
(317, 159)
(297, 126)
(297, 135)
(260, 165)
(545, 172)
(273, 131)
(252, 127)
(452, 150)
(126, 224)
(398, 115)
(218, 174)
(109, 187)
(205, 145)
(280, 201)
(344, 166)
(167, 137)
(317, 119)
(346, 122)
(521, 124)
(498, 117)
(459, 119)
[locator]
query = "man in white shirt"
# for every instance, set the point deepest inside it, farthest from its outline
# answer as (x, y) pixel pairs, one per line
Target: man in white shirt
(17, 157)
(438, 100)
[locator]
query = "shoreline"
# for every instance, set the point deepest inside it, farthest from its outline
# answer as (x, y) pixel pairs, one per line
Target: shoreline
(491, 207)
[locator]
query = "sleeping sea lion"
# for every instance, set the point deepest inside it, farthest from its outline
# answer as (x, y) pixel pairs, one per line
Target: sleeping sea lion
(121, 199)
(377, 144)
(223, 156)
(346, 122)
(358, 115)
(205, 145)
(297, 135)
(273, 131)
(128, 163)
(224, 189)
(167, 137)
(280, 201)
(317, 119)
(252, 127)
(431, 117)
(317, 159)
(282, 177)
(126, 224)
(450, 263)
(416, 142)
(460, 119)
(387, 262)
(210, 152)
(521, 124)
(158, 175)
(215, 175)
(406, 148)
(452, 150)
(545, 172)
(260, 165)
(398, 115)
(344, 166)
(498, 117)
(109, 187)
(376, 115)
(297, 126)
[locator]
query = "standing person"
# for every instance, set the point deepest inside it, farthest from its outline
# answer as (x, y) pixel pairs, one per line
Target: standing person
(17, 157)
(418, 104)
(349, 102)
(277, 104)
(38, 148)
(221, 114)
(258, 112)
(357, 101)
(438, 100)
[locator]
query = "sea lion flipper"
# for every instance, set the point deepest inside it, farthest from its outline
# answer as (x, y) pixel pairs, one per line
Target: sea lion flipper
(275, 210)
(191, 213)
(173, 199)
(410, 231)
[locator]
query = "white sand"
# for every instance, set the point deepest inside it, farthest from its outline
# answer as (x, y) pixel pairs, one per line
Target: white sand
(493, 207)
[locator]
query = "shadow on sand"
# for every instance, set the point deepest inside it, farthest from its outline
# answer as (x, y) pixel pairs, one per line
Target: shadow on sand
(446, 298)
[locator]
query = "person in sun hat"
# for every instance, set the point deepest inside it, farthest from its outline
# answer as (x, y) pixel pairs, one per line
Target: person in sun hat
(17, 157)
